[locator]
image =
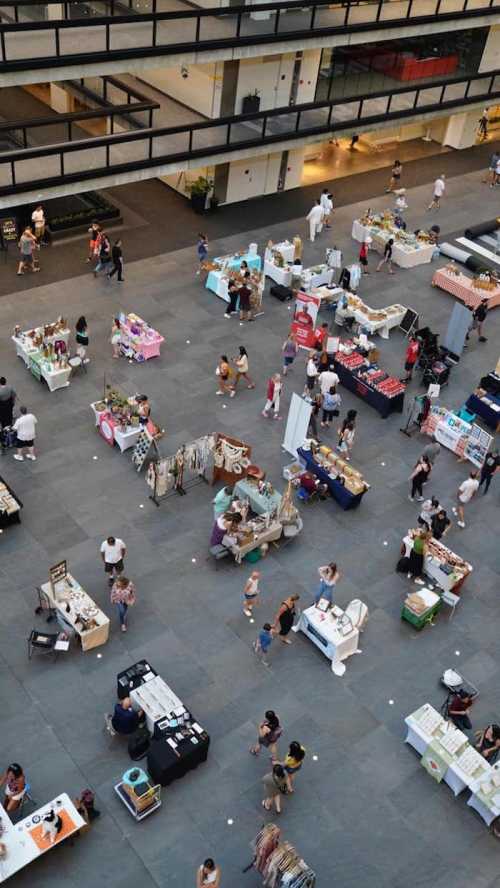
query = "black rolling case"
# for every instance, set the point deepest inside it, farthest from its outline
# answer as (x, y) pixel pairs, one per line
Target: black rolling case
(284, 294)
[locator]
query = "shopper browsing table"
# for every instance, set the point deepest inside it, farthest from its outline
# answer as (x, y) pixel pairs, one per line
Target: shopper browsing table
(329, 576)
(430, 508)
(25, 427)
(387, 257)
(15, 787)
(208, 875)
(466, 491)
(440, 524)
(327, 379)
(490, 467)
(113, 552)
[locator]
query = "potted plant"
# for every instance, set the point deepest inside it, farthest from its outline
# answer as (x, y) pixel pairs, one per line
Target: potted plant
(198, 190)
(251, 102)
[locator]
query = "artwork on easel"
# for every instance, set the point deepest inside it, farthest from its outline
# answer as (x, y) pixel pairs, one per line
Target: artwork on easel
(144, 444)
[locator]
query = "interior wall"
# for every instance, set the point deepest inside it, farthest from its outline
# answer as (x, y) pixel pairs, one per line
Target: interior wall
(271, 76)
(201, 90)
(308, 76)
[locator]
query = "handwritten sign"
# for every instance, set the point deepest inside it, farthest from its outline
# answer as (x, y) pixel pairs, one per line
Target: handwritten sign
(8, 228)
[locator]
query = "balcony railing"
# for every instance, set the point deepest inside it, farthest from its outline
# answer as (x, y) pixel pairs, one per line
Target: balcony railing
(80, 161)
(90, 38)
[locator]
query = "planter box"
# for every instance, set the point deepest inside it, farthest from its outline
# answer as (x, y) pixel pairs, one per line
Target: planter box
(251, 104)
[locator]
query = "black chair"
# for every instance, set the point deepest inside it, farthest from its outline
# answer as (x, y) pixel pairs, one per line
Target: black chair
(42, 643)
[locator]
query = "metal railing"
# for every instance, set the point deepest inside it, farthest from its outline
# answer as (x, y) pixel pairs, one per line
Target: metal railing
(57, 42)
(79, 161)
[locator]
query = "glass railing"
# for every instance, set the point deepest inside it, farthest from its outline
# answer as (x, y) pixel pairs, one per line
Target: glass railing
(150, 149)
(44, 34)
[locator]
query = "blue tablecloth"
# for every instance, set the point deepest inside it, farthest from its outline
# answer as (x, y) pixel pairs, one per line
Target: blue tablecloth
(491, 417)
(340, 494)
(259, 503)
(235, 262)
(375, 399)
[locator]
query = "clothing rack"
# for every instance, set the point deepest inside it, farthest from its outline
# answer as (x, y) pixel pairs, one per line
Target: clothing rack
(176, 473)
(278, 862)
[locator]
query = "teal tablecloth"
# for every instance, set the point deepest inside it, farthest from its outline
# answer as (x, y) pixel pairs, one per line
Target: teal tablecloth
(235, 262)
(259, 503)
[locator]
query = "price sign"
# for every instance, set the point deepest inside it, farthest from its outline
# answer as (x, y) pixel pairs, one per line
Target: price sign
(8, 228)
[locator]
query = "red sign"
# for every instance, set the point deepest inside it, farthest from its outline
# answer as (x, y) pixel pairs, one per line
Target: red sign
(304, 319)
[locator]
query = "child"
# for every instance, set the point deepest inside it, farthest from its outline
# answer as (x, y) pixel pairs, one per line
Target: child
(263, 643)
(251, 593)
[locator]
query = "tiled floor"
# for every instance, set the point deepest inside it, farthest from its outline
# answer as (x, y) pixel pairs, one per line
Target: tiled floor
(364, 813)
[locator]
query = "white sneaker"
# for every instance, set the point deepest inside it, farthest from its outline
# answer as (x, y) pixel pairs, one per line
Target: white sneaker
(247, 612)
(420, 499)
(410, 498)
(461, 523)
(419, 582)
(455, 511)
(29, 456)
(20, 458)
(232, 394)
(218, 392)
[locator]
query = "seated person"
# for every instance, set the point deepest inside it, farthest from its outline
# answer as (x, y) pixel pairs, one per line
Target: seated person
(224, 530)
(239, 508)
(488, 743)
(458, 710)
(440, 524)
(310, 484)
(126, 720)
(15, 787)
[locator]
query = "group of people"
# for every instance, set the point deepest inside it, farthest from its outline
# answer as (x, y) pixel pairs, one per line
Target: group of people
(230, 371)
(107, 258)
(320, 213)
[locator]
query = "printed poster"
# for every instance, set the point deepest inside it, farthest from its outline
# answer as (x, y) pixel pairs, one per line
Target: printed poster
(304, 318)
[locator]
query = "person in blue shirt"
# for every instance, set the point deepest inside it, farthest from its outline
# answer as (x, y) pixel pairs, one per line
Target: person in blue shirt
(263, 643)
(202, 250)
(126, 720)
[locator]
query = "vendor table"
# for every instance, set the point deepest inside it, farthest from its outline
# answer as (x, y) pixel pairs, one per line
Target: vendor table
(328, 294)
(144, 343)
(324, 631)
(40, 368)
(461, 286)
(451, 581)
(286, 249)
(24, 842)
(358, 310)
(487, 407)
(375, 399)
(338, 491)
(180, 743)
(268, 535)
(111, 432)
(233, 263)
(260, 503)
(217, 281)
(318, 276)
(404, 255)
(281, 274)
(69, 591)
(10, 505)
(467, 440)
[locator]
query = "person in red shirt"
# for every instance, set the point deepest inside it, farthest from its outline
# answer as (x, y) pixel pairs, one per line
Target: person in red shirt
(363, 257)
(412, 353)
(320, 336)
(274, 386)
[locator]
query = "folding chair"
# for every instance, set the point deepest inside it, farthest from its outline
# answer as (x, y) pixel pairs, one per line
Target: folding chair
(43, 643)
(78, 362)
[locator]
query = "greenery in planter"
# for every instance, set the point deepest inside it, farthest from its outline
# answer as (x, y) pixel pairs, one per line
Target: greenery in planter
(201, 186)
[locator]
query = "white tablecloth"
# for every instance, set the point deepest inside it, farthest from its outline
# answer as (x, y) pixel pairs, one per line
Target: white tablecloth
(286, 249)
(280, 275)
(324, 633)
(432, 568)
(310, 279)
(405, 257)
(55, 379)
(125, 440)
(328, 294)
(156, 699)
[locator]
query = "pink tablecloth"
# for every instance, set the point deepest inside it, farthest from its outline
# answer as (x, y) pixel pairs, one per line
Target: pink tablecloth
(460, 285)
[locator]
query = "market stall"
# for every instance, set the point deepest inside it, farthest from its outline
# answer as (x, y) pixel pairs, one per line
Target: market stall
(332, 631)
(25, 842)
(231, 459)
(10, 505)
(277, 261)
(467, 440)
(179, 743)
(442, 565)
(177, 473)
(267, 516)
(224, 268)
(373, 320)
(446, 752)
(366, 380)
(76, 609)
(318, 276)
(138, 340)
(346, 485)
(261, 497)
(120, 419)
(485, 401)
(44, 350)
(254, 533)
(408, 249)
(469, 290)
(328, 295)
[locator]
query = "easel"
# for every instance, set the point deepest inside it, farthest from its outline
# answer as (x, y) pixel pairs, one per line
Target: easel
(409, 322)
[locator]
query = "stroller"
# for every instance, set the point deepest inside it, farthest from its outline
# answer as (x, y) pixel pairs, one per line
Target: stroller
(455, 684)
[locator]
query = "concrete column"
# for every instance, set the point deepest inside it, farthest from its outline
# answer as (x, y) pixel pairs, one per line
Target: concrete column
(491, 52)
(60, 100)
(461, 130)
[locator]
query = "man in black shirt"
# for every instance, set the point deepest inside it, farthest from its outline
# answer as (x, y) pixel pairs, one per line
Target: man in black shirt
(117, 256)
(478, 318)
(490, 467)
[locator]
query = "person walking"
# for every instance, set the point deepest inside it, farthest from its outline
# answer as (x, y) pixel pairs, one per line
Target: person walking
(439, 190)
(315, 219)
(331, 402)
(93, 233)
(274, 388)
(275, 785)
(411, 357)
(104, 248)
(224, 373)
(7, 401)
(113, 551)
(263, 643)
(25, 429)
(251, 595)
(38, 220)
(478, 319)
(116, 337)
(387, 257)
(363, 258)
(311, 374)
(201, 251)
(285, 617)
(329, 575)
(492, 169)
(241, 362)
(289, 349)
(489, 468)
(269, 732)
(27, 244)
(347, 434)
(328, 378)
(81, 332)
(208, 875)
(418, 478)
(117, 257)
(293, 762)
(233, 294)
(326, 204)
(397, 169)
(123, 595)
(466, 491)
